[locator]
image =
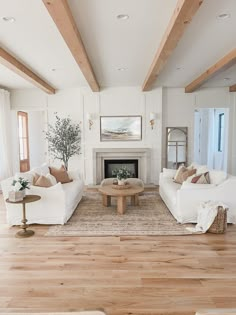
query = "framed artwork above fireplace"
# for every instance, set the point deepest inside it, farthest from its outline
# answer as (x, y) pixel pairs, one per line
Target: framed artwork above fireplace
(121, 128)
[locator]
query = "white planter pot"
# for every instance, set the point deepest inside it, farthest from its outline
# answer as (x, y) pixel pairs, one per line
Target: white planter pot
(15, 196)
(121, 182)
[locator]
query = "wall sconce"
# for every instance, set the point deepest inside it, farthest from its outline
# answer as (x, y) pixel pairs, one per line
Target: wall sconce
(90, 120)
(153, 117)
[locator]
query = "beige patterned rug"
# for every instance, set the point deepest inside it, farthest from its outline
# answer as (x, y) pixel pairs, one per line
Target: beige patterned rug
(91, 218)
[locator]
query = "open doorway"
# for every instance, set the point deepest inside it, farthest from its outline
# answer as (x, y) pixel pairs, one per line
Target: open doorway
(211, 137)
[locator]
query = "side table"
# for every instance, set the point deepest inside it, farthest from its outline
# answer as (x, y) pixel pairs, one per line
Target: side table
(24, 226)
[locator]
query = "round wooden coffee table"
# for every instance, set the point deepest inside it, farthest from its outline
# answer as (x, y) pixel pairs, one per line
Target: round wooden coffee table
(121, 194)
(24, 226)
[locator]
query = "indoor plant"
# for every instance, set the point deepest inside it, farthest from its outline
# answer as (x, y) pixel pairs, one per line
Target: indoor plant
(18, 189)
(121, 174)
(64, 139)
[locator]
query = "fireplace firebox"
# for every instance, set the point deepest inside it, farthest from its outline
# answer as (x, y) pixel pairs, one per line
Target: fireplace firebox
(131, 165)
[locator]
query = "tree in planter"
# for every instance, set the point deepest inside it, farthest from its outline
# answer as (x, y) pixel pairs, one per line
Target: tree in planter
(64, 139)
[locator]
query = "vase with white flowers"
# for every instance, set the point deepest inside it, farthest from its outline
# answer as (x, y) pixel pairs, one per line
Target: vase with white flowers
(19, 187)
(121, 174)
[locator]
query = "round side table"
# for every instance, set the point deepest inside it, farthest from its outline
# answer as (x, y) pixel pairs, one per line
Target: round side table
(24, 226)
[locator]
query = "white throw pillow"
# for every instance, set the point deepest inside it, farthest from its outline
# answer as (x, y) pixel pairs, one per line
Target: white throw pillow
(169, 173)
(41, 170)
(26, 175)
(200, 168)
(217, 177)
(75, 174)
(52, 179)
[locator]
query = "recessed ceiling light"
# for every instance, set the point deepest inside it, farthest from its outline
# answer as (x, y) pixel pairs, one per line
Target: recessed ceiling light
(227, 79)
(223, 16)
(9, 19)
(122, 17)
(122, 69)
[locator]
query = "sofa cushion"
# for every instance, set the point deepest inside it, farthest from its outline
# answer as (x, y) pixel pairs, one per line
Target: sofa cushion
(74, 174)
(26, 175)
(191, 186)
(169, 173)
(60, 174)
(217, 177)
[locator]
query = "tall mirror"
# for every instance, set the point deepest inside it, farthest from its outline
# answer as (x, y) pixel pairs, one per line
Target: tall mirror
(176, 146)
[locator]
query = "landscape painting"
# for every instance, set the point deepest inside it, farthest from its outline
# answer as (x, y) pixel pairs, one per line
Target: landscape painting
(121, 128)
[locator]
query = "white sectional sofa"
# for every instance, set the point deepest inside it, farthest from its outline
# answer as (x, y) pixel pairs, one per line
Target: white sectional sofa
(57, 202)
(183, 200)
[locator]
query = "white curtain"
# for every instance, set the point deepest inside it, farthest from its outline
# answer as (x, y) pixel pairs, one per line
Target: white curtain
(5, 135)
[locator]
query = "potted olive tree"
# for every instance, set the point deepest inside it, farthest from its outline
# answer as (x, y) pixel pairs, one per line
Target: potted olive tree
(64, 139)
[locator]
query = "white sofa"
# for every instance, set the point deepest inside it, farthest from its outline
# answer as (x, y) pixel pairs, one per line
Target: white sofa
(183, 200)
(57, 202)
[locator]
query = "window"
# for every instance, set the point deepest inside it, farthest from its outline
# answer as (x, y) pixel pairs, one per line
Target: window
(23, 141)
(221, 122)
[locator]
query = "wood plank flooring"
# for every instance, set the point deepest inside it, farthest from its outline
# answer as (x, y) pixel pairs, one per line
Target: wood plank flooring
(174, 275)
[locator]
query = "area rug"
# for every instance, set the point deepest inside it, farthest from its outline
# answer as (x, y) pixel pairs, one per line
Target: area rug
(91, 218)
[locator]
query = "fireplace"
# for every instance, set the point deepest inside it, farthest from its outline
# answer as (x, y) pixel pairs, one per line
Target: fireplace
(142, 155)
(130, 165)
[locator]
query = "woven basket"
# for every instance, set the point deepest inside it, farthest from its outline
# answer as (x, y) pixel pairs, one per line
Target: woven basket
(219, 226)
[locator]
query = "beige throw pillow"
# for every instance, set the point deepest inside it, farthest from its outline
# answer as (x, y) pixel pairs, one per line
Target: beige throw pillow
(42, 181)
(183, 173)
(60, 174)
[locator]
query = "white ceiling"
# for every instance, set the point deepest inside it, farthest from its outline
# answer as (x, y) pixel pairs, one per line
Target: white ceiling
(113, 43)
(34, 39)
(206, 40)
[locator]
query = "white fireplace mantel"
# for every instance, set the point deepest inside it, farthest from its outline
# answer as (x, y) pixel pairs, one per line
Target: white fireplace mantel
(143, 155)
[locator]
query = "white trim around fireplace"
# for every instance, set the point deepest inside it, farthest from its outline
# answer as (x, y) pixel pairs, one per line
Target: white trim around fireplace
(143, 155)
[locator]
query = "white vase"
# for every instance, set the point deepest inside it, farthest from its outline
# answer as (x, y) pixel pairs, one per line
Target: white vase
(121, 182)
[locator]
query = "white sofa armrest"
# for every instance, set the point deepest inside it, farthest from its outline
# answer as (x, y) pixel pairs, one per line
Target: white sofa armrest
(188, 201)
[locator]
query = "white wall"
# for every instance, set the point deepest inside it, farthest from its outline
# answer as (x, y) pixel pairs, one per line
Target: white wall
(173, 106)
(178, 110)
(76, 103)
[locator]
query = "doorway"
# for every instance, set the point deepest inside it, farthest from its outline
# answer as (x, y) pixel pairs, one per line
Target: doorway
(211, 137)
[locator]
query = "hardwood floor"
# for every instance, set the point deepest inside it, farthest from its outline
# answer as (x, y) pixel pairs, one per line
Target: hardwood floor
(175, 275)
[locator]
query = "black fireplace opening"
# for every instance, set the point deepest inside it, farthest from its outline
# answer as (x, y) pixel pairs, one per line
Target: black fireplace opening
(130, 165)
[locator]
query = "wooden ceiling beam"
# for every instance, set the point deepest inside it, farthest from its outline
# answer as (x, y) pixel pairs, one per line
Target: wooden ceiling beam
(224, 63)
(19, 68)
(232, 88)
(63, 18)
(182, 16)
